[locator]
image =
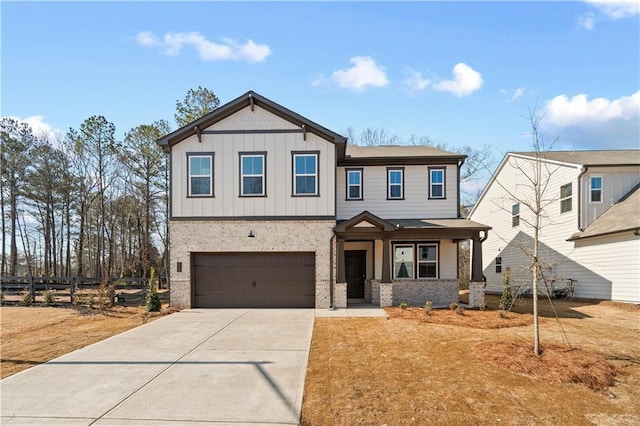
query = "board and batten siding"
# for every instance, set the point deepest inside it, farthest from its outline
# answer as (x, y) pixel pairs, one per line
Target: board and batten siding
(616, 182)
(514, 243)
(279, 170)
(416, 203)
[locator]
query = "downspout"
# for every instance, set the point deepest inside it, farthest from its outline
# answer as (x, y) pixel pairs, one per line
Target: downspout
(582, 173)
(460, 163)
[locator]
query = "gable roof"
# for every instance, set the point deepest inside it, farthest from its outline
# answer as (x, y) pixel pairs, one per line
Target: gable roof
(589, 158)
(398, 154)
(620, 217)
(629, 157)
(250, 99)
(366, 217)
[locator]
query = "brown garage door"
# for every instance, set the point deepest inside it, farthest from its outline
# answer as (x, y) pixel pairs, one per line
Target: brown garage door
(254, 280)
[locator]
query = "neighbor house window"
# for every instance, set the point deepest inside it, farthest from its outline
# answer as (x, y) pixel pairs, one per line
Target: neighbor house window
(427, 261)
(252, 174)
(354, 184)
(305, 173)
(498, 265)
(515, 215)
(200, 172)
(403, 261)
(395, 184)
(596, 189)
(436, 183)
(565, 198)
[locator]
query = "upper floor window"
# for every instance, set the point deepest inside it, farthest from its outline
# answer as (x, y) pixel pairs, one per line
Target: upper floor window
(565, 198)
(596, 189)
(436, 183)
(200, 171)
(252, 174)
(354, 184)
(515, 215)
(305, 173)
(395, 184)
(498, 265)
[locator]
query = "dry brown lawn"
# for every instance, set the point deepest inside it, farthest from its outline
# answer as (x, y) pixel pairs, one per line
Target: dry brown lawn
(33, 335)
(477, 368)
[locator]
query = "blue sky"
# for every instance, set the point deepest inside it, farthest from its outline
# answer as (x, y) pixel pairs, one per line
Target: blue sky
(458, 72)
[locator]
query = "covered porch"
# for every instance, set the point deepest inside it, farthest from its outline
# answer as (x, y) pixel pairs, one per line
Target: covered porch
(387, 262)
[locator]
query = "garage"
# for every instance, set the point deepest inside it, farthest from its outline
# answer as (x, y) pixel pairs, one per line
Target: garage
(254, 280)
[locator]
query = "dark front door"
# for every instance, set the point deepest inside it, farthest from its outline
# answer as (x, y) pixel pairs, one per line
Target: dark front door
(355, 263)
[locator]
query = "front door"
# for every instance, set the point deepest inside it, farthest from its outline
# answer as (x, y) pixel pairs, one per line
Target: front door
(355, 262)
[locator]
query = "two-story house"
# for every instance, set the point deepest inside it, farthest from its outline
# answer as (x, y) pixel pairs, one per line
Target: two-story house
(590, 225)
(269, 209)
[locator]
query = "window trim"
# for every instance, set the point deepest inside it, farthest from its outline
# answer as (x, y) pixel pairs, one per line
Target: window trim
(348, 185)
(295, 154)
(591, 189)
(416, 263)
(443, 184)
(211, 156)
(498, 263)
(244, 154)
(395, 169)
(568, 198)
(515, 216)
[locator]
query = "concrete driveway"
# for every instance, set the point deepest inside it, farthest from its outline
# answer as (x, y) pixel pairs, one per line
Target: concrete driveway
(198, 366)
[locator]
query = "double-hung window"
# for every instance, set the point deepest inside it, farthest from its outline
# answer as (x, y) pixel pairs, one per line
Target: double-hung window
(427, 261)
(595, 187)
(403, 261)
(565, 198)
(200, 172)
(515, 215)
(395, 184)
(436, 183)
(354, 184)
(305, 173)
(252, 174)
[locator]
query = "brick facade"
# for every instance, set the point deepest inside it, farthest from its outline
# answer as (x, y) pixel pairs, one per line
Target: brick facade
(415, 292)
(231, 236)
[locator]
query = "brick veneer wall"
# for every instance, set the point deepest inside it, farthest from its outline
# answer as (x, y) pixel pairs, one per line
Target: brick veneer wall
(416, 292)
(231, 236)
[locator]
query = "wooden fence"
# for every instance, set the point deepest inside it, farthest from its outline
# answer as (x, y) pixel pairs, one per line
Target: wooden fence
(37, 285)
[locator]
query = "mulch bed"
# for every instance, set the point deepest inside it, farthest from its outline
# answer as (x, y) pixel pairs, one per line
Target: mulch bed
(468, 318)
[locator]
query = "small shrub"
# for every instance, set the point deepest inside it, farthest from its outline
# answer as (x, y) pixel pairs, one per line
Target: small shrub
(26, 299)
(428, 307)
(506, 299)
(453, 306)
(403, 305)
(153, 303)
(502, 314)
(106, 294)
(483, 306)
(459, 310)
(49, 297)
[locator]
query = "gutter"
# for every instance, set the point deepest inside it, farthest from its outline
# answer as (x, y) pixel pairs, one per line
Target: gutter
(582, 173)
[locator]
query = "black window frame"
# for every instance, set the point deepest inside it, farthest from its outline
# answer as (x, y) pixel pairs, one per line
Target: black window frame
(294, 175)
(244, 154)
(395, 169)
(211, 156)
(593, 190)
(499, 265)
(415, 267)
(348, 185)
(443, 184)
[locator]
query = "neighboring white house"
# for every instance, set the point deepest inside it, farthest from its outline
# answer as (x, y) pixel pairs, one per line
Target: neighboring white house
(269, 209)
(591, 222)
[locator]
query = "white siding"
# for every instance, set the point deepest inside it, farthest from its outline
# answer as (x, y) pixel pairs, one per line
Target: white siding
(514, 243)
(615, 184)
(416, 203)
(614, 263)
(226, 169)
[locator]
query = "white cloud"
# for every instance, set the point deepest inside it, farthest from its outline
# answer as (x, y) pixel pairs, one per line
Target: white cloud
(42, 129)
(229, 50)
(600, 123)
(517, 93)
(616, 9)
(415, 81)
(364, 73)
(587, 20)
(465, 81)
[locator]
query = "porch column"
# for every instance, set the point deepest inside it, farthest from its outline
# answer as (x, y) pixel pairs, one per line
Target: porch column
(386, 260)
(341, 273)
(476, 259)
